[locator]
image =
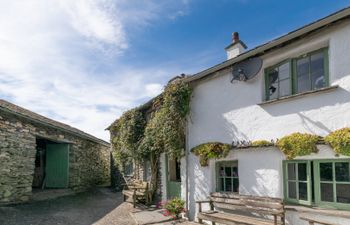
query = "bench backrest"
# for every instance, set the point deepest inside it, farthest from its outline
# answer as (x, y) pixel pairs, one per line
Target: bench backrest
(261, 205)
(139, 184)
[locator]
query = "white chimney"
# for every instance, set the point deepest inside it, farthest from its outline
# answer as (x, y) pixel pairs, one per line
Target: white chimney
(236, 47)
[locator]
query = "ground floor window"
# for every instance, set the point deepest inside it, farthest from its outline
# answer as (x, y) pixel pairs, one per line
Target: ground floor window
(227, 176)
(324, 182)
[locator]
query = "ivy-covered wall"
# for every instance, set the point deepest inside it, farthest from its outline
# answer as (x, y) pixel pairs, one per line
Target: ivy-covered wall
(143, 133)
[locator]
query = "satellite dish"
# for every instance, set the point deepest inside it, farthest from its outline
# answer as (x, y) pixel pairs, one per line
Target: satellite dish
(247, 69)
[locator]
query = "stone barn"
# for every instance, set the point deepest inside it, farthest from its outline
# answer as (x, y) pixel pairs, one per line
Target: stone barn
(37, 154)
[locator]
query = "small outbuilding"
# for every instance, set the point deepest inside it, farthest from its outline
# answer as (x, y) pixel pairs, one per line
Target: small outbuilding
(38, 153)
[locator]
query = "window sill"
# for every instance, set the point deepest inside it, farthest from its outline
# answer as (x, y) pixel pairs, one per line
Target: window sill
(326, 89)
(316, 210)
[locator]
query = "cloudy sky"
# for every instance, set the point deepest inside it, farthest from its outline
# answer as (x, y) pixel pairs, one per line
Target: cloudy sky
(84, 62)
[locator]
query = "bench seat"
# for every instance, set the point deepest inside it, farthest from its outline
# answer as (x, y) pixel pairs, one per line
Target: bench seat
(233, 219)
(234, 209)
(137, 190)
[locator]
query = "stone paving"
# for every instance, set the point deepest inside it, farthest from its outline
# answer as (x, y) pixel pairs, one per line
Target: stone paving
(98, 207)
(154, 216)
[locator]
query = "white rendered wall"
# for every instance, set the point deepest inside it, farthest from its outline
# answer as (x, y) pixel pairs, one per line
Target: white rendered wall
(221, 111)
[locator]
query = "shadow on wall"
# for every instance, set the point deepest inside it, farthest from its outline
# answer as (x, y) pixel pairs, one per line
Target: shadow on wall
(199, 186)
(331, 104)
(306, 103)
(267, 184)
(117, 178)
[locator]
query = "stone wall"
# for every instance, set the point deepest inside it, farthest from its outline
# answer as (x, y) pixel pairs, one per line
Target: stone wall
(89, 162)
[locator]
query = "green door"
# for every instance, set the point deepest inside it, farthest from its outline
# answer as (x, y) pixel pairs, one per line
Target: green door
(57, 158)
(173, 178)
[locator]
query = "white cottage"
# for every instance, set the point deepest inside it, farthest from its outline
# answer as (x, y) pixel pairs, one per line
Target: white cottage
(302, 86)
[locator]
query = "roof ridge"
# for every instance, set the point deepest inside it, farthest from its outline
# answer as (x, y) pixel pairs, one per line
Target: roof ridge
(13, 108)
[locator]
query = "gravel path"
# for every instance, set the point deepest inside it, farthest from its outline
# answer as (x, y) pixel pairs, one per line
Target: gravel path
(98, 207)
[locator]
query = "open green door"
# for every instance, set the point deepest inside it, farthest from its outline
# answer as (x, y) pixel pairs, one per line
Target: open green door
(173, 178)
(57, 166)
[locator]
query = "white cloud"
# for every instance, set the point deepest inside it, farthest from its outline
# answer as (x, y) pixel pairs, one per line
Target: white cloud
(51, 53)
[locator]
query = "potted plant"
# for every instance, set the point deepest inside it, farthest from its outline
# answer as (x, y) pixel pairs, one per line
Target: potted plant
(174, 208)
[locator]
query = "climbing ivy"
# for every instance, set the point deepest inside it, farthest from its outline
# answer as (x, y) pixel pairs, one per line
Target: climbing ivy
(164, 131)
(298, 144)
(211, 150)
(261, 143)
(339, 140)
(128, 132)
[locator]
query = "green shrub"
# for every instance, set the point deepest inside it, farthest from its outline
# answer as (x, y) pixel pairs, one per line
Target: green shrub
(298, 144)
(261, 143)
(211, 150)
(339, 140)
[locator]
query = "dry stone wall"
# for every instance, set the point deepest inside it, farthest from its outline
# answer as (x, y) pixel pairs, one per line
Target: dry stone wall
(89, 162)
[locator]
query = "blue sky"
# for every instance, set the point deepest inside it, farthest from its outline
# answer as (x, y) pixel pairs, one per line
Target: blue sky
(84, 62)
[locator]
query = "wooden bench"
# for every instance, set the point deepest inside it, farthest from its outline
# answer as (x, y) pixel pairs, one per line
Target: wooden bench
(316, 221)
(137, 190)
(235, 209)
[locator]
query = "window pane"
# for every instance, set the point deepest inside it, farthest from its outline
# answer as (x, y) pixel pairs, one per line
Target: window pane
(291, 171)
(342, 172)
(284, 71)
(235, 171)
(222, 172)
(343, 193)
(221, 184)
(285, 87)
(235, 185)
(303, 66)
(326, 172)
(228, 171)
(317, 70)
(326, 192)
(302, 172)
(302, 191)
(273, 84)
(228, 184)
(303, 75)
(292, 191)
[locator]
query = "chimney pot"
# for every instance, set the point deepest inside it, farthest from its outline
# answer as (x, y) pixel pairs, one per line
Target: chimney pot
(235, 37)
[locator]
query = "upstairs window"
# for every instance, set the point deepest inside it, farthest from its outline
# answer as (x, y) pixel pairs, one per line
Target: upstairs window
(279, 81)
(310, 72)
(298, 75)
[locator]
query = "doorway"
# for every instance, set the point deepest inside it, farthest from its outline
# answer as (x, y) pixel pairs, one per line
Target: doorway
(51, 164)
(174, 177)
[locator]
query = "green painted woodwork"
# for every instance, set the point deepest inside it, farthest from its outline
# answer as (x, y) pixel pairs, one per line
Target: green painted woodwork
(293, 70)
(297, 181)
(57, 166)
(315, 184)
(233, 178)
(173, 187)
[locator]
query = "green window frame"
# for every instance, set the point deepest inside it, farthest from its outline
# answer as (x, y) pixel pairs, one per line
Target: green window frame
(297, 180)
(334, 181)
(295, 74)
(327, 180)
(227, 176)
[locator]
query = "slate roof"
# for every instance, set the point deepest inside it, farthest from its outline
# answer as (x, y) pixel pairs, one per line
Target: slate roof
(276, 43)
(32, 116)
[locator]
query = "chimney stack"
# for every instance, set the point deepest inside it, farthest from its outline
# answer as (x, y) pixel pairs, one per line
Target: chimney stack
(236, 48)
(235, 37)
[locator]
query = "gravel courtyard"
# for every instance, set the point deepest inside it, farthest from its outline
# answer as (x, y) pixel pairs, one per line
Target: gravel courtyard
(99, 206)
